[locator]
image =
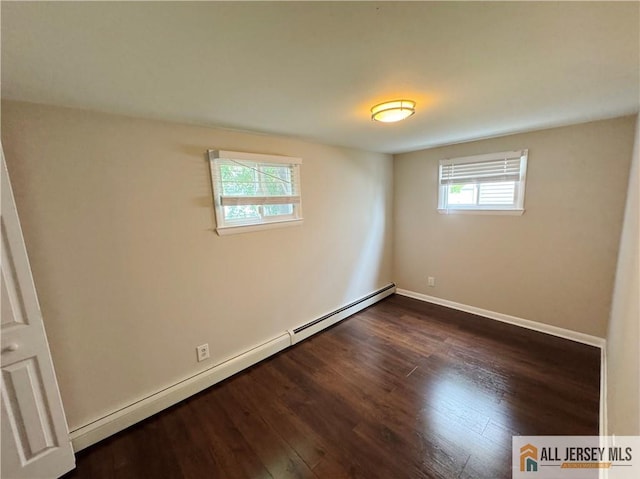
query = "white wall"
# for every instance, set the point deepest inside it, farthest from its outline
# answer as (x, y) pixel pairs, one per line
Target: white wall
(118, 222)
(623, 337)
(556, 263)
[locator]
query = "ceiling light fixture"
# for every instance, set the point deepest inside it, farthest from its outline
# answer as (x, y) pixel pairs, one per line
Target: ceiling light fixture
(391, 111)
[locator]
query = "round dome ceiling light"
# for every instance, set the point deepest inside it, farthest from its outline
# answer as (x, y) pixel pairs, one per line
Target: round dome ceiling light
(391, 111)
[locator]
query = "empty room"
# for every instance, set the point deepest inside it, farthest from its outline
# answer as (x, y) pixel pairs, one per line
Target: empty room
(320, 240)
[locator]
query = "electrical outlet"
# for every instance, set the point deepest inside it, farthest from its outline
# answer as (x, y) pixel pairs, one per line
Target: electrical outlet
(431, 281)
(202, 352)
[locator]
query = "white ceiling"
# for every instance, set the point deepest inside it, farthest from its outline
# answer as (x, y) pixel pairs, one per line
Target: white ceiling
(313, 70)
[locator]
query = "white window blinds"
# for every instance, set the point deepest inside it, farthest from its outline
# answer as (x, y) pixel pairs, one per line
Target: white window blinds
(492, 171)
(492, 182)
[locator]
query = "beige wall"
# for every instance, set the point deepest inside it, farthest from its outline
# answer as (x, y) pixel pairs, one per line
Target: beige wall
(118, 221)
(556, 263)
(623, 338)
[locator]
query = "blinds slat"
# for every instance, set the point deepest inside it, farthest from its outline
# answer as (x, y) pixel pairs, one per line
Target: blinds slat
(496, 194)
(258, 200)
(490, 171)
(501, 156)
(254, 157)
(480, 167)
(483, 164)
(483, 179)
(455, 173)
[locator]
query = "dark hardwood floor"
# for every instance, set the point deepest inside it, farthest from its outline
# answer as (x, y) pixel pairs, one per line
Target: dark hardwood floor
(403, 389)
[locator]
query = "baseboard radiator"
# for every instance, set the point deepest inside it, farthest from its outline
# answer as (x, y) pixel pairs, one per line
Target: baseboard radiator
(304, 331)
(143, 408)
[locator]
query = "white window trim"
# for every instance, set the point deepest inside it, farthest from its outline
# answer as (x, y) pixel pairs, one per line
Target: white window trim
(235, 229)
(484, 211)
(516, 210)
(227, 228)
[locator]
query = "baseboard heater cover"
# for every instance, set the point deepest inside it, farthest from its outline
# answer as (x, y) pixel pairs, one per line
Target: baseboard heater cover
(143, 408)
(344, 308)
(306, 330)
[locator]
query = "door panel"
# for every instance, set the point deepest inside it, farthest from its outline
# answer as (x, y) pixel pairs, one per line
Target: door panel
(13, 310)
(35, 439)
(26, 408)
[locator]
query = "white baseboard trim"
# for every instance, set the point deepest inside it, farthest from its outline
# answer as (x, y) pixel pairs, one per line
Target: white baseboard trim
(505, 318)
(143, 408)
(137, 411)
(604, 426)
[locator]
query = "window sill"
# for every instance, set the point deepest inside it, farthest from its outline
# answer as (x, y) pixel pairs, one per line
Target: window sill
(232, 230)
(516, 212)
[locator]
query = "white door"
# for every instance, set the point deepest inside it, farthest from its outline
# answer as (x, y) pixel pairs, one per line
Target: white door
(35, 439)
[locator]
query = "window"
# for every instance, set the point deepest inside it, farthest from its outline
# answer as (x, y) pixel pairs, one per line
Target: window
(492, 184)
(253, 191)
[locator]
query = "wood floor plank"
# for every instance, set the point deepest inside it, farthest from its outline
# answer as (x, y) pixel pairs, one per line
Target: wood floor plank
(403, 389)
(278, 457)
(258, 395)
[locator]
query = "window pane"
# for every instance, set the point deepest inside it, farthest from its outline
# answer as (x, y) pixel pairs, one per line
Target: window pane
(238, 180)
(462, 194)
(276, 180)
(241, 212)
(277, 210)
